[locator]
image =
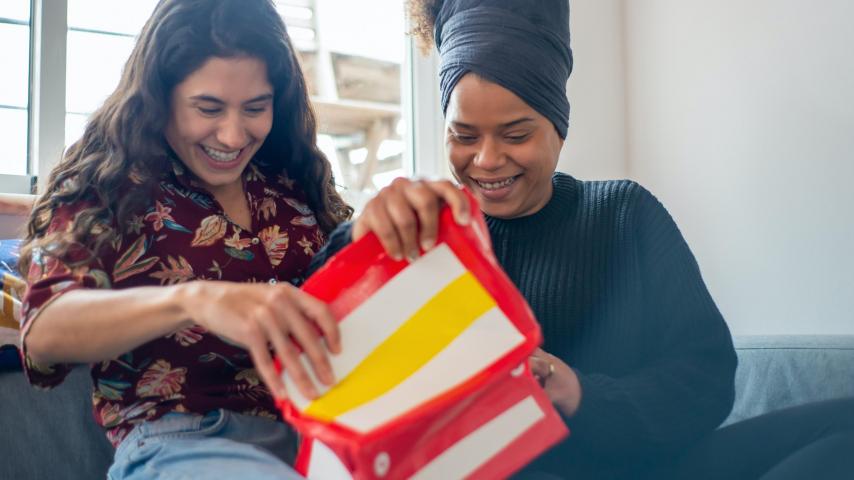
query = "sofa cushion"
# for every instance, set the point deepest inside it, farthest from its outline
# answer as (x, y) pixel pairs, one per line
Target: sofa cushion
(780, 371)
(11, 290)
(51, 434)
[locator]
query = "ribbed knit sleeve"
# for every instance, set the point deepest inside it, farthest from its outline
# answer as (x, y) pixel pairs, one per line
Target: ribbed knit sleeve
(338, 239)
(684, 389)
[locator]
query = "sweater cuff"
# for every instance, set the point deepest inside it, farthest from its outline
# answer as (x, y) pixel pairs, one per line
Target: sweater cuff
(591, 419)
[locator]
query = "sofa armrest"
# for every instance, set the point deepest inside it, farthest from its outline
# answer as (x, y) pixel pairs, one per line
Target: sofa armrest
(14, 210)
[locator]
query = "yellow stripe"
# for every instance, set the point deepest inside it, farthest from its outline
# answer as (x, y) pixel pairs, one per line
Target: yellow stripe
(425, 334)
(7, 316)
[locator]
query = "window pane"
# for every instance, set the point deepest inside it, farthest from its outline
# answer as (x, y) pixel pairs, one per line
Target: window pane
(126, 16)
(15, 58)
(91, 78)
(15, 10)
(360, 118)
(344, 28)
(13, 137)
(74, 125)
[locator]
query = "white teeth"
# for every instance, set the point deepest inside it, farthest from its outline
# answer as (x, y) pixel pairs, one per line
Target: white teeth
(496, 185)
(220, 156)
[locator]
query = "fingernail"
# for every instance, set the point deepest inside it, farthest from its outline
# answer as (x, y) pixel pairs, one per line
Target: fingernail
(464, 218)
(427, 244)
(413, 255)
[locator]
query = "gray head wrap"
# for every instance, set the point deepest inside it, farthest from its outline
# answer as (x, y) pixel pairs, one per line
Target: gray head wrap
(522, 45)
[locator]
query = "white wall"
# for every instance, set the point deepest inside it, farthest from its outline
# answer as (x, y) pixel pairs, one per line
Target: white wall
(741, 120)
(595, 147)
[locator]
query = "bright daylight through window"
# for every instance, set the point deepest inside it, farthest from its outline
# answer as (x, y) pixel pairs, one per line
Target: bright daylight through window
(14, 101)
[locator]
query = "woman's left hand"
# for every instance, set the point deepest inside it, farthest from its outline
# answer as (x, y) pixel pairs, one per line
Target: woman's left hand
(558, 380)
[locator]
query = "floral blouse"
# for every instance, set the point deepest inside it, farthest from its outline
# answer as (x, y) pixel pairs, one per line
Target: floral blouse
(183, 235)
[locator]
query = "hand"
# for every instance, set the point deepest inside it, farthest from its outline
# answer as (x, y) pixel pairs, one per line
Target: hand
(405, 215)
(257, 316)
(558, 380)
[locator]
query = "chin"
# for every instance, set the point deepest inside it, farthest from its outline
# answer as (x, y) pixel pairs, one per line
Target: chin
(501, 211)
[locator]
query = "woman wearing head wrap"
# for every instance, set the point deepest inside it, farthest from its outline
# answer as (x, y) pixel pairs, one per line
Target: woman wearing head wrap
(636, 355)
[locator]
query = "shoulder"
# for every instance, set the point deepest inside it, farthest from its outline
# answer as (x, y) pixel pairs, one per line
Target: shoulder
(603, 196)
(627, 205)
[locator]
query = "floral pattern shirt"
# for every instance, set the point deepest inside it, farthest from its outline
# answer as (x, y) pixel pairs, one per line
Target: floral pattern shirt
(184, 235)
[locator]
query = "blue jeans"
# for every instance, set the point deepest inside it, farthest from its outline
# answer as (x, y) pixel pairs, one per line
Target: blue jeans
(219, 445)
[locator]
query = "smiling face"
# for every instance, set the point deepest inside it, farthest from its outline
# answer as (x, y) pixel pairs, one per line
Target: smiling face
(503, 150)
(219, 117)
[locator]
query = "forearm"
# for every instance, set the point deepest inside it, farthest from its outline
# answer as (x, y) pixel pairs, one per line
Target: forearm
(657, 409)
(91, 325)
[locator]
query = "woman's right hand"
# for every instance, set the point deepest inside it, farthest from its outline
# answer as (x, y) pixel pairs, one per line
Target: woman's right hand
(257, 316)
(405, 215)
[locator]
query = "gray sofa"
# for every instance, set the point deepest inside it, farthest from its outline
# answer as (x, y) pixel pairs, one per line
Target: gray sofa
(51, 435)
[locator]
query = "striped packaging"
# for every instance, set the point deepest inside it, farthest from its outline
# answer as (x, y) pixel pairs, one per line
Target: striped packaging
(432, 379)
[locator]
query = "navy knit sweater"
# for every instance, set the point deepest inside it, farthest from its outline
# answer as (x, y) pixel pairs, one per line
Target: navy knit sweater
(620, 299)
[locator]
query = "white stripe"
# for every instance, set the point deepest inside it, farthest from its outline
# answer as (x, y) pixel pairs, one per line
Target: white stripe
(379, 316)
(488, 339)
(470, 453)
(324, 464)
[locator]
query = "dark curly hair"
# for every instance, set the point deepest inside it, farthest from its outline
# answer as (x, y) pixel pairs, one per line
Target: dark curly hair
(115, 167)
(422, 17)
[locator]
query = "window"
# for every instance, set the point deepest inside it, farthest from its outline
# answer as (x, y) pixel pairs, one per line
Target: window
(109, 28)
(357, 80)
(14, 85)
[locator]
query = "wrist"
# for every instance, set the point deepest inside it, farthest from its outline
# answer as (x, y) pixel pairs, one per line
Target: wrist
(181, 301)
(570, 401)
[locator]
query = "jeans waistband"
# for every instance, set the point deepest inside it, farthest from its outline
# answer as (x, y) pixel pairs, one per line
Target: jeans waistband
(171, 423)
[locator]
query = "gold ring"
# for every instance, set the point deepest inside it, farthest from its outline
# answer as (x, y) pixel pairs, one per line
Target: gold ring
(551, 371)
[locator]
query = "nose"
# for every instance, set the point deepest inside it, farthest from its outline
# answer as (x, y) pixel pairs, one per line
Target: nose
(231, 132)
(489, 155)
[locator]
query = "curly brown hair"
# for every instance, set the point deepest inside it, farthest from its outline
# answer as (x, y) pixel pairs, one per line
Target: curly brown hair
(422, 18)
(115, 168)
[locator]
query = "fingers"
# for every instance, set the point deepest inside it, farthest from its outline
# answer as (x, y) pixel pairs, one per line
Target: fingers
(256, 343)
(541, 366)
(425, 203)
(455, 198)
(376, 218)
(303, 331)
(265, 317)
(405, 215)
(322, 316)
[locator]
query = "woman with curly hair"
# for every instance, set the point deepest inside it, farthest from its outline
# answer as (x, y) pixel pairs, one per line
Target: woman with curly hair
(164, 249)
(636, 356)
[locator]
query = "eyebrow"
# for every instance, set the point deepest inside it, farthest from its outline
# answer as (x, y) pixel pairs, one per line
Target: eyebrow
(212, 99)
(504, 125)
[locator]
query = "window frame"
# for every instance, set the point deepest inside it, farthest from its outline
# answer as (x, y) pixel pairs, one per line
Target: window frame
(21, 183)
(46, 127)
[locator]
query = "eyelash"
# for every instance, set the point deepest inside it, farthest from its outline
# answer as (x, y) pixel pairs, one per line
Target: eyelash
(463, 138)
(467, 139)
(518, 138)
(215, 111)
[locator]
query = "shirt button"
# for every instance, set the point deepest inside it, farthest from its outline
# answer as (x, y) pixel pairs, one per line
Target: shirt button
(272, 281)
(255, 240)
